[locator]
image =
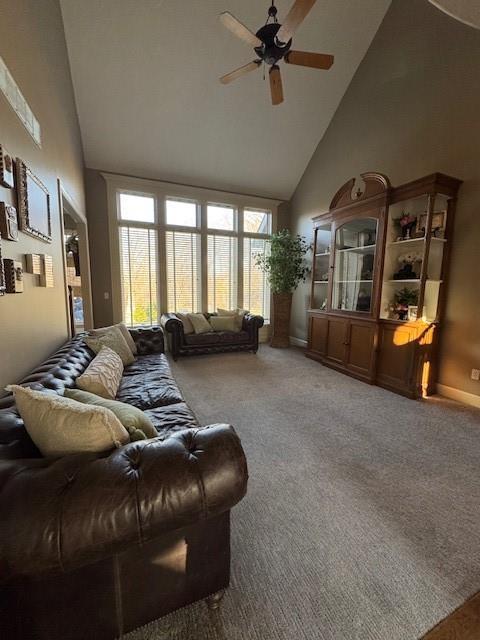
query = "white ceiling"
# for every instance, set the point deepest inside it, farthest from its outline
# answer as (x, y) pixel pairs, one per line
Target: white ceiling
(145, 74)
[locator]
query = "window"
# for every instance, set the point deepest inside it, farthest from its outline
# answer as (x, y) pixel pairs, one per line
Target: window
(183, 271)
(182, 213)
(138, 275)
(256, 292)
(220, 217)
(137, 208)
(222, 272)
(257, 221)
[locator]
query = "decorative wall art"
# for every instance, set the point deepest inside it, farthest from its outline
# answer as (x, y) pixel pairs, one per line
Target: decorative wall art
(46, 277)
(6, 168)
(13, 275)
(8, 222)
(33, 204)
(34, 263)
(2, 272)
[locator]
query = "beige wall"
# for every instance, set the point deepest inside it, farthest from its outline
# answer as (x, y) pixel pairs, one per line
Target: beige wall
(412, 108)
(34, 323)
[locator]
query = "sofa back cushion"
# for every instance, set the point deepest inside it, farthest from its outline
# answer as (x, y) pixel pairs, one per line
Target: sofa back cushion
(224, 323)
(238, 314)
(60, 426)
(113, 339)
(200, 323)
(103, 375)
(187, 323)
(132, 418)
(123, 330)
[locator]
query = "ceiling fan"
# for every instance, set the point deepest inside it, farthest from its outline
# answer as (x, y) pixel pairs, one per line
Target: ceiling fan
(272, 43)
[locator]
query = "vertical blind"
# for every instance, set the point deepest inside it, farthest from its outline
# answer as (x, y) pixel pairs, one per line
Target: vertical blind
(222, 272)
(256, 292)
(139, 275)
(183, 271)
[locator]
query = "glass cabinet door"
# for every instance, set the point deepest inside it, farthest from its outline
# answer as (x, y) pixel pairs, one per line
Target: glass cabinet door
(321, 267)
(354, 265)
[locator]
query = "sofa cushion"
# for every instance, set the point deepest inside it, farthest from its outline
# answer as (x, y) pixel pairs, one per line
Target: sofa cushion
(217, 338)
(132, 418)
(174, 417)
(187, 323)
(200, 323)
(125, 333)
(103, 374)
(224, 323)
(152, 363)
(149, 390)
(113, 339)
(60, 426)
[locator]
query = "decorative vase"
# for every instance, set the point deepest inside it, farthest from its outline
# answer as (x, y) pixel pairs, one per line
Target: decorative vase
(282, 306)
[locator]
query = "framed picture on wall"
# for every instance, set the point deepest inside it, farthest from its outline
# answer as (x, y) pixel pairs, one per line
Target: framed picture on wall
(6, 168)
(34, 214)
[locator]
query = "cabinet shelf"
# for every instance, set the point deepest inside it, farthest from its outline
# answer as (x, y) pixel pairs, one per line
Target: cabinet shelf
(350, 281)
(368, 248)
(414, 240)
(319, 255)
(320, 281)
(417, 280)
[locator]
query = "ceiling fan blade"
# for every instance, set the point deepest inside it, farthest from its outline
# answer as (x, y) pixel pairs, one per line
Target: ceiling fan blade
(307, 59)
(276, 87)
(239, 29)
(233, 75)
(294, 19)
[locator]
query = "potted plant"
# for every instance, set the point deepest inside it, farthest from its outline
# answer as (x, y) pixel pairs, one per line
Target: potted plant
(285, 267)
(403, 298)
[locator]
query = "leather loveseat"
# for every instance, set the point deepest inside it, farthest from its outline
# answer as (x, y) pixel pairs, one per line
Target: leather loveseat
(94, 545)
(181, 344)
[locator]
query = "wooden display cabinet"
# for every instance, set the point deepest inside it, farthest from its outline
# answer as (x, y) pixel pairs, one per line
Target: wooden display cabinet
(379, 276)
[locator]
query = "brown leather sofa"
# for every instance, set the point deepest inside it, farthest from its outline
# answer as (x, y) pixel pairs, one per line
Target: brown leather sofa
(94, 545)
(180, 344)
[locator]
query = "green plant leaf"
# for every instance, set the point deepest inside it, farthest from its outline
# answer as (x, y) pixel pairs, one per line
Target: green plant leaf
(284, 261)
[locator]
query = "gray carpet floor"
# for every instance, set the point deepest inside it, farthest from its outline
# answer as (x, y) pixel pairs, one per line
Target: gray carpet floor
(362, 519)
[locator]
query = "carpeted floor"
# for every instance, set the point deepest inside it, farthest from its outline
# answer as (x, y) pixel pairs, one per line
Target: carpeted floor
(362, 519)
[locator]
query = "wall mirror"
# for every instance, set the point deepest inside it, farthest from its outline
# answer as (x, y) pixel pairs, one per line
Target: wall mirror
(33, 204)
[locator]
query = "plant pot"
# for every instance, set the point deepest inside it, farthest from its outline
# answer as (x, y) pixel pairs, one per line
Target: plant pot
(282, 306)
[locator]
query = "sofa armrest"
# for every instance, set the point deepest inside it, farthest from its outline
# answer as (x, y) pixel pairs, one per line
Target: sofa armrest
(60, 514)
(171, 323)
(148, 340)
(252, 323)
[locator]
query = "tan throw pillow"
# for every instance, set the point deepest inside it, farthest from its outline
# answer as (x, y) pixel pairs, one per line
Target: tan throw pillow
(131, 417)
(200, 323)
(224, 323)
(59, 426)
(187, 323)
(237, 313)
(113, 339)
(125, 333)
(103, 375)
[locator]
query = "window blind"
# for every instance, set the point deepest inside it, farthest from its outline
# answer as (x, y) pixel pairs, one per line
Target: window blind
(183, 271)
(222, 272)
(256, 291)
(139, 275)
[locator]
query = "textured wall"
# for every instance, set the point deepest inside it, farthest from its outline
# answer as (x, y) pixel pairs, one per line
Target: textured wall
(34, 323)
(412, 109)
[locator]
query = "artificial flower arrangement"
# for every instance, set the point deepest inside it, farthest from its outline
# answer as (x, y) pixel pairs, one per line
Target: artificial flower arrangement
(407, 223)
(402, 299)
(407, 261)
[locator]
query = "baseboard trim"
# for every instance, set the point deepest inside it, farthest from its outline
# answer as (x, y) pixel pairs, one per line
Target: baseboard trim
(460, 396)
(298, 342)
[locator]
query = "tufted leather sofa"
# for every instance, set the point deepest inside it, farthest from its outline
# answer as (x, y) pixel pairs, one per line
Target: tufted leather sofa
(94, 545)
(180, 344)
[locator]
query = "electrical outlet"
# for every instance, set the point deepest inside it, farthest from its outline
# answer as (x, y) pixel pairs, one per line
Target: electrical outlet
(475, 374)
(106, 295)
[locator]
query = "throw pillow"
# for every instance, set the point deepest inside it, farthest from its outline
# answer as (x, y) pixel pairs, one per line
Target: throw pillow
(133, 419)
(224, 323)
(200, 323)
(237, 313)
(103, 375)
(59, 426)
(125, 333)
(187, 323)
(114, 340)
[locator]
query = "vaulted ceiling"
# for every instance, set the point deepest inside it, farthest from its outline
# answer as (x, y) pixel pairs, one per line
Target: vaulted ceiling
(145, 74)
